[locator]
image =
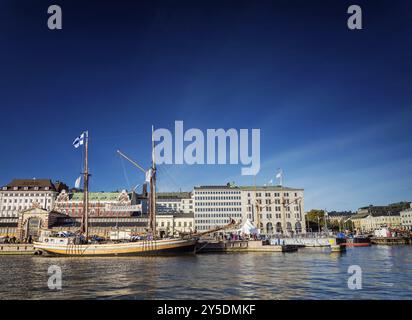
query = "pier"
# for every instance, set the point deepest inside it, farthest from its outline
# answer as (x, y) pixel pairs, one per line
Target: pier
(390, 240)
(16, 249)
(305, 241)
(209, 246)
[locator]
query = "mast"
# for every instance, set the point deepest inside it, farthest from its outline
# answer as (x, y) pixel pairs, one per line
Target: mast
(257, 207)
(152, 204)
(85, 218)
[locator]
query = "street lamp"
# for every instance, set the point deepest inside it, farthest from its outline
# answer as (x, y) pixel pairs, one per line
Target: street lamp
(318, 224)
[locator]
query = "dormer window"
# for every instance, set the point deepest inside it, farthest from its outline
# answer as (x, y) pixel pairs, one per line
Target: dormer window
(46, 188)
(36, 188)
(26, 188)
(4, 188)
(16, 188)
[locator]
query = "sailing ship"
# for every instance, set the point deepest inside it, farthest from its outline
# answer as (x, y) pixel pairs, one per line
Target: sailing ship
(81, 245)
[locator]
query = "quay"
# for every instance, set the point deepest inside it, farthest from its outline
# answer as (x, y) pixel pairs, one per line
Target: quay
(305, 241)
(390, 240)
(210, 246)
(16, 249)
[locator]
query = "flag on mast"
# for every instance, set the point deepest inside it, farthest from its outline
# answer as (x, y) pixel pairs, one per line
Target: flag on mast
(77, 183)
(79, 141)
(148, 175)
(279, 176)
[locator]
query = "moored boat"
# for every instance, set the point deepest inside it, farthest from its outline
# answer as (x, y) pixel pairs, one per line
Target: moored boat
(358, 241)
(80, 244)
(68, 247)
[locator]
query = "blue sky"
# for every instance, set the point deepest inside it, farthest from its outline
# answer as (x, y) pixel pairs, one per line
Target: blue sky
(333, 105)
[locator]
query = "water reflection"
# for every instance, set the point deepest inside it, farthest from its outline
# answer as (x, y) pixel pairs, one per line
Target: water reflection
(307, 274)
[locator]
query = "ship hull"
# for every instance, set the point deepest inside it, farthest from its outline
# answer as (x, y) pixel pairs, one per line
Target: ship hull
(358, 242)
(155, 247)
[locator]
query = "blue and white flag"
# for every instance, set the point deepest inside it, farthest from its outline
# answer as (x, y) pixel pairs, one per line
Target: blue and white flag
(79, 141)
(148, 175)
(77, 183)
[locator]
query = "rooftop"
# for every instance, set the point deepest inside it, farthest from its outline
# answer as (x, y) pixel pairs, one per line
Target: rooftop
(251, 188)
(35, 184)
(173, 195)
(96, 196)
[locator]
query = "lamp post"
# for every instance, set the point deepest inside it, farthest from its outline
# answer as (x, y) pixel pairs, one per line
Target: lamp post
(325, 221)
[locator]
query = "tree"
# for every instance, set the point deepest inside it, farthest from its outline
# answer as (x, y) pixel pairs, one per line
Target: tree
(315, 218)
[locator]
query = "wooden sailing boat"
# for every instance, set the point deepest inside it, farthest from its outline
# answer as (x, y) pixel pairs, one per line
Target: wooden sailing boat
(79, 245)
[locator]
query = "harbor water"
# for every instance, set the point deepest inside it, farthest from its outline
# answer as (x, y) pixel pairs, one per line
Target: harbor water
(311, 273)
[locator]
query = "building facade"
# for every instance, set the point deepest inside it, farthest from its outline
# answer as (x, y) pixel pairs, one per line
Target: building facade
(174, 202)
(215, 206)
(373, 218)
(100, 204)
(274, 209)
(406, 218)
(169, 224)
(374, 222)
(21, 194)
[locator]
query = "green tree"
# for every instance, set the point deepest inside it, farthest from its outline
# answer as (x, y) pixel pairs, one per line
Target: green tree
(314, 219)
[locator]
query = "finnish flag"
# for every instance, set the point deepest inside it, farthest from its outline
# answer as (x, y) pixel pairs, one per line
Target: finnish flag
(77, 183)
(148, 175)
(79, 141)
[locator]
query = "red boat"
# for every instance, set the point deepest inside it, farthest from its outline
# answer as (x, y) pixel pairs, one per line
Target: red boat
(358, 241)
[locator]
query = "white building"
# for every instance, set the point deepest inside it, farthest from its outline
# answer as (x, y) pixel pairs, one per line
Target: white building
(21, 194)
(100, 204)
(169, 224)
(174, 202)
(274, 209)
(216, 205)
(406, 218)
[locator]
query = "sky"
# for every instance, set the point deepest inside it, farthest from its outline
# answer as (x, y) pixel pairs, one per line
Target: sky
(333, 104)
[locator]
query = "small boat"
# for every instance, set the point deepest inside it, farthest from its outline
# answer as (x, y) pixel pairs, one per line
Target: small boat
(358, 241)
(80, 244)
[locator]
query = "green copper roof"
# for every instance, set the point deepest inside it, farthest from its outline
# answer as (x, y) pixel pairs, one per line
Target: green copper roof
(96, 196)
(173, 195)
(269, 188)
